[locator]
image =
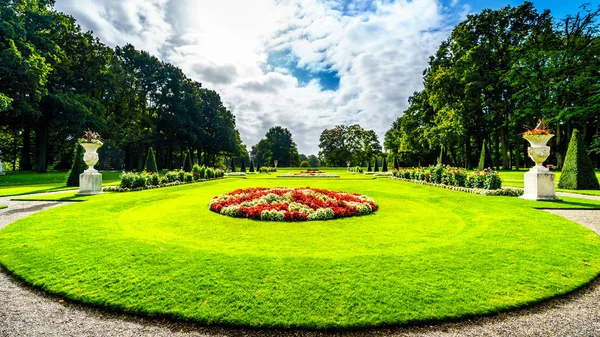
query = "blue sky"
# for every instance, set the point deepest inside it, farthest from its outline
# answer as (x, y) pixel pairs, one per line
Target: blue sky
(305, 65)
(559, 8)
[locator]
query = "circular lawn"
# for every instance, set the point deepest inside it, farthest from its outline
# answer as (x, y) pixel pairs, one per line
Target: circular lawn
(427, 254)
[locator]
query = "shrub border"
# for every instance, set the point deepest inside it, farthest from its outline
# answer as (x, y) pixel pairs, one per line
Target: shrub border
(504, 192)
(150, 187)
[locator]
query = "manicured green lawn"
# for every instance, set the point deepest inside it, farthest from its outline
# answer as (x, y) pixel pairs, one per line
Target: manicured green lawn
(2, 206)
(426, 254)
(18, 183)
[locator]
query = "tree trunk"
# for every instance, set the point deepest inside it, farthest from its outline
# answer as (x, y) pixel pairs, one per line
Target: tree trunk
(25, 164)
(468, 165)
(504, 149)
(41, 147)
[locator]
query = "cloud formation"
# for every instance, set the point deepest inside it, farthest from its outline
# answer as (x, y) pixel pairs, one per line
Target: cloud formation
(377, 50)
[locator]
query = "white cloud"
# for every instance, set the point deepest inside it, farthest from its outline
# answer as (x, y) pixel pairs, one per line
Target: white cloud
(379, 54)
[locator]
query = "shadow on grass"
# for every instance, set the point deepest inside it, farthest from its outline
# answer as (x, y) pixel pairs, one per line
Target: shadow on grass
(46, 190)
(70, 198)
(566, 205)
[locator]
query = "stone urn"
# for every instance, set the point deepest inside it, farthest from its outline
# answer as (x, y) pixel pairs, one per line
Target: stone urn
(538, 151)
(539, 182)
(90, 181)
(90, 157)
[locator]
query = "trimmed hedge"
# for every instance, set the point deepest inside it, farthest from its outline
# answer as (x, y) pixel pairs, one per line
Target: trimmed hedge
(131, 181)
(506, 192)
(445, 175)
(151, 161)
(578, 172)
(481, 165)
(78, 167)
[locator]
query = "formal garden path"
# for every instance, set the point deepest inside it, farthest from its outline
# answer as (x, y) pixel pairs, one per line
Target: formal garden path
(29, 312)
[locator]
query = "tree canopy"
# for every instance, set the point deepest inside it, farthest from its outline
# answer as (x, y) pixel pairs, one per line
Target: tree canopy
(348, 143)
(496, 75)
(56, 81)
(277, 145)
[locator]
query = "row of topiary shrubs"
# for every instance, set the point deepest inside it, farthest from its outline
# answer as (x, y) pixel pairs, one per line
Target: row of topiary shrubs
(139, 181)
(487, 179)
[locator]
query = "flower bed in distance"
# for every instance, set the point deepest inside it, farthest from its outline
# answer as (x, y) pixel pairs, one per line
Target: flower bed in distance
(291, 204)
(309, 174)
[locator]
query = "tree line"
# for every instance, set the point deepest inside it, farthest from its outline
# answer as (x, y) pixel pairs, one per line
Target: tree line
(56, 81)
(498, 73)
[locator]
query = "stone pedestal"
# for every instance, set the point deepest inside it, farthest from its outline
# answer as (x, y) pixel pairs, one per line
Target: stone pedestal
(90, 183)
(539, 185)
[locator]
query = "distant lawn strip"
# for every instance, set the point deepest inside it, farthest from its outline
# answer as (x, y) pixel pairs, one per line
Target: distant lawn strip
(428, 254)
(44, 188)
(33, 178)
(2, 206)
(69, 196)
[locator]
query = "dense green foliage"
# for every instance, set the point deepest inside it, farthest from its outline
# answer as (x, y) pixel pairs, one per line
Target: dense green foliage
(57, 81)
(277, 145)
(150, 161)
(578, 172)
(251, 166)
(78, 167)
(496, 75)
(152, 255)
(305, 164)
(351, 143)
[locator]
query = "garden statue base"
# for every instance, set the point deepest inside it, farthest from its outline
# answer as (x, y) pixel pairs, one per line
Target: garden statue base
(539, 185)
(90, 183)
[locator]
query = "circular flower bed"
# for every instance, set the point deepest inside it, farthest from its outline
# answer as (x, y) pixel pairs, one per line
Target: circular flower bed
(291, 204)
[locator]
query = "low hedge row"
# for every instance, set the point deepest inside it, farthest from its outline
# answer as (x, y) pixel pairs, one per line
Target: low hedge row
(487, 179)
(132, 181)
(507, 191)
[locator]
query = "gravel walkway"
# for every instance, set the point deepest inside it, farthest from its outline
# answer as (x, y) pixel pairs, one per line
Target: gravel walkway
(28, 312)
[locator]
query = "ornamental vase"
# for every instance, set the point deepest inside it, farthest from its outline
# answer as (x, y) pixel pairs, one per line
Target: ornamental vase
(538, 140)
(90, 157)
(539, 151)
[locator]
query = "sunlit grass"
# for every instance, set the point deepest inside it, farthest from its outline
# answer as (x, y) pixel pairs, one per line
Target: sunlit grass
(426, 254)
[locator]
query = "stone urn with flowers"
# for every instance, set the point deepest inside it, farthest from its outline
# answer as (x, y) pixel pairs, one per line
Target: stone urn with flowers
(90, 181)
(539, 182)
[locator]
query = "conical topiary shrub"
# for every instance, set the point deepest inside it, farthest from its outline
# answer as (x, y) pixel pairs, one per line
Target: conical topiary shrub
(187, 163)
(232, 167)
(151, 161)
(481, 164)
(78, 167)
(376, 169)
(369, 169)
(384, 165)
(243, 169)
(251, 166)
(578, 172)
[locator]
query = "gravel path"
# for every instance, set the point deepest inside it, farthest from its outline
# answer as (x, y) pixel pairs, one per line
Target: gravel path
(28, 312)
